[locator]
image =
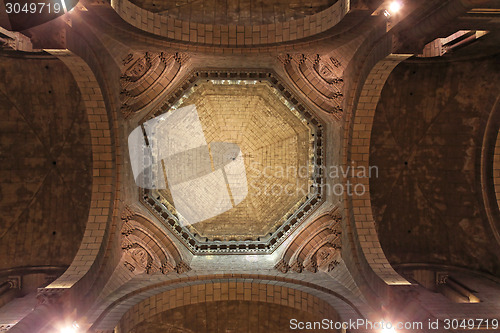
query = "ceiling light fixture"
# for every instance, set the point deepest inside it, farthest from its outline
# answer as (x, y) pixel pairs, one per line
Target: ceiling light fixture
(70, 329)
(395, 7)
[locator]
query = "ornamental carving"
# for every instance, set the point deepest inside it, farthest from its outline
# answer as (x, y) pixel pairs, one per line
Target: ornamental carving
(320, 78)
(129, 266)
(49, 296)
(282, 266)
(138, 69)
(128, 59)
(329, 73)
(327, 258)
(145, 76)
(147, 251)
(316, 248)
(140, 256)
(138, 260)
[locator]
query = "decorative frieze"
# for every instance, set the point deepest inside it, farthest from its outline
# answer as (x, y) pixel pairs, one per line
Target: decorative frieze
(316, 248)
(143, 252)
(319, 78)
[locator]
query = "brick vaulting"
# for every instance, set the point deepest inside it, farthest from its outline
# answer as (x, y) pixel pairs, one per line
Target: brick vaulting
(245, 166)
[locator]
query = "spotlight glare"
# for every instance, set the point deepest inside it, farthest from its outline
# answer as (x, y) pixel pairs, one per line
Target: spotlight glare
(388, 330)
(68, 330)
(395, 7)
(63, 3)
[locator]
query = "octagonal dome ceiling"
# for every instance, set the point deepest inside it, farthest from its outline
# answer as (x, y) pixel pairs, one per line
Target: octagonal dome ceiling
(277, 148)
(272, 140)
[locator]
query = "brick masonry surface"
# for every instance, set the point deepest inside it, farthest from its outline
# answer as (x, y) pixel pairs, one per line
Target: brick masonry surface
(236, 295)
(360, 158)
(231, 35)
(427, 140)
(45, 163)
(103, 167)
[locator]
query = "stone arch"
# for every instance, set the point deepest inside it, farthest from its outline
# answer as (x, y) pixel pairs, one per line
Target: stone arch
(103, 181)
(234, 36)
(145, 251)
(496, 169)
(490, 170)
(225, 291)
(110, 317)
(362, 121)
(91, 251)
